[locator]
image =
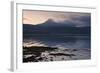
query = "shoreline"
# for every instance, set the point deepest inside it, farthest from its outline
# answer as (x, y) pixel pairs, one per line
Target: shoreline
(46, 54)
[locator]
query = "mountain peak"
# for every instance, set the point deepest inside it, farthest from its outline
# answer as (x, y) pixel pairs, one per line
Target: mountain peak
(50, 21)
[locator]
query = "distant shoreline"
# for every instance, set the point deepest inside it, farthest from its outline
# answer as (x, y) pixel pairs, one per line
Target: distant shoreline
(60, 34)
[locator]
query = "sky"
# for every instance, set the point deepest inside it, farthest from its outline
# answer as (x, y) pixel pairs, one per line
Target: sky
(38, 17)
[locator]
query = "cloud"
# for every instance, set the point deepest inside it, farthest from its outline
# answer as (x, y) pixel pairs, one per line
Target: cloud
(72, 18)
(79, 20)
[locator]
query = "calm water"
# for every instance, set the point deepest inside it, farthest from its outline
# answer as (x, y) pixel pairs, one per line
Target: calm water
(61, 41)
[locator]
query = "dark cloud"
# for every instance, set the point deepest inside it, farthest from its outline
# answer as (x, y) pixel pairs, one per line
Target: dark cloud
(79, 20)
(84, 20)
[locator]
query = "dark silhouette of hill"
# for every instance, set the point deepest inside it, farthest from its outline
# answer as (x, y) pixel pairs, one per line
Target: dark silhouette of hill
(51, 27)
(52, 23)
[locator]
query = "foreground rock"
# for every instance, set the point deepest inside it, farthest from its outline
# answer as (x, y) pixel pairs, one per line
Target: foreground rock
(45, 54)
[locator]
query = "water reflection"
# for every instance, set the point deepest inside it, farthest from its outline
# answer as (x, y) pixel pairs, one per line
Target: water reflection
(78, 42)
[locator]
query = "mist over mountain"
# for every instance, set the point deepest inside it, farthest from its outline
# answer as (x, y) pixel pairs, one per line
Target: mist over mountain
(51, 27)
(52, 23)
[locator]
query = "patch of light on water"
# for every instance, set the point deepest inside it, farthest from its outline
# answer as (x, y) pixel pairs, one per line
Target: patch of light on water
(33, 44)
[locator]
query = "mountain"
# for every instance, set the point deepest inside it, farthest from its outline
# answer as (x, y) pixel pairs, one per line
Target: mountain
(52, 23)
(51, 27)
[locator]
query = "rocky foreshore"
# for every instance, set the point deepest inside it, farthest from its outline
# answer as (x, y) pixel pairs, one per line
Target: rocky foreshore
(45, 54)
